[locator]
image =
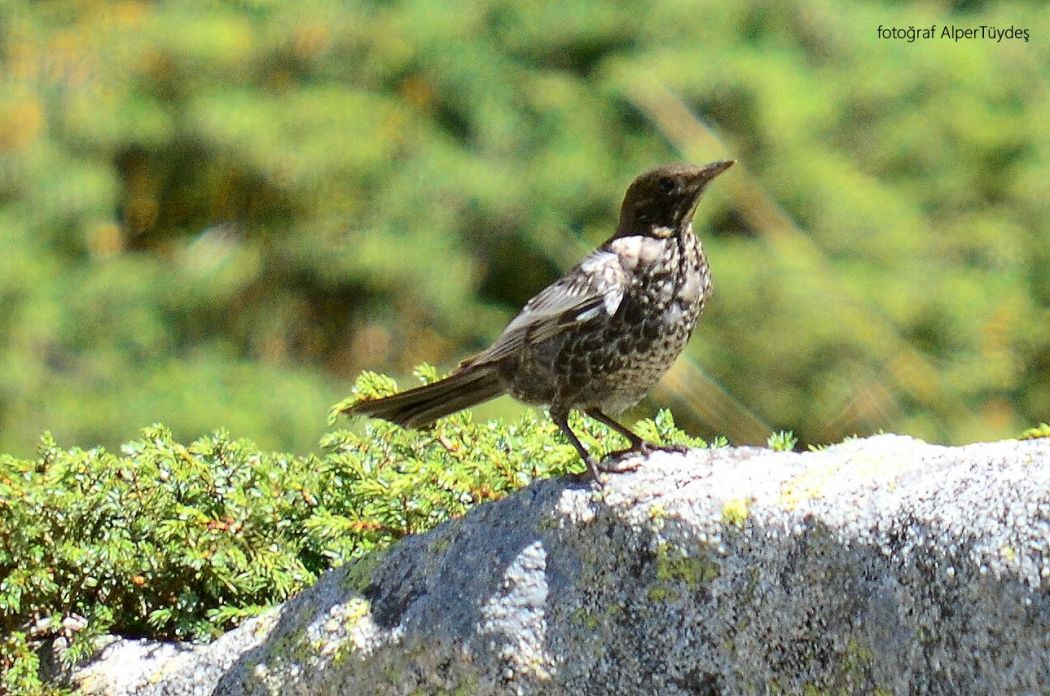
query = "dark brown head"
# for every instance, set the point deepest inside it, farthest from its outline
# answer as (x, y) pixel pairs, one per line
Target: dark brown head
(661, 202)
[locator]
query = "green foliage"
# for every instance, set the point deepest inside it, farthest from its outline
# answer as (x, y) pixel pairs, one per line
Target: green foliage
(783, 441)
(165, 540)
(215, 214)
(1042, 430)
(175, 541)
(20, 669)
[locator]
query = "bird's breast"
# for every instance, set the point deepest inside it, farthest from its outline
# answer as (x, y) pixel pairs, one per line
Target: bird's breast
(666, 275)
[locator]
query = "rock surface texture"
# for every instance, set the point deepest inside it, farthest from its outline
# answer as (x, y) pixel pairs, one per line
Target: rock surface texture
(883, 565)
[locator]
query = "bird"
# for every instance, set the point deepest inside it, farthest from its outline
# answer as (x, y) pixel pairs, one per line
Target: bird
(600, 337)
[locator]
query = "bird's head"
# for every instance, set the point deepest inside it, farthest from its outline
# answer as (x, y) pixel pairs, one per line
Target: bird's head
(661, 201)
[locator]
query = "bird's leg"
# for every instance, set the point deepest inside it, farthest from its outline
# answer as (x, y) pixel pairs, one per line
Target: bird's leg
(638, 443)
(562, 421)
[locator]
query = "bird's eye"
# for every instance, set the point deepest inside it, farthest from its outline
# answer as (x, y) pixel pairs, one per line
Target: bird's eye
(666, 184)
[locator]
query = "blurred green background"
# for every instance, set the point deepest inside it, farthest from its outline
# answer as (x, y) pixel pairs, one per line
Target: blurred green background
(216, 214)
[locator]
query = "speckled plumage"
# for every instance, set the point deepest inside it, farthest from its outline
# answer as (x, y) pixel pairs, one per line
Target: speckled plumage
(603, 335)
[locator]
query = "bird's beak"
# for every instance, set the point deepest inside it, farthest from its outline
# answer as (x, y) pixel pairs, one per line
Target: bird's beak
(710, 171)
(702, 176)
(700, 180)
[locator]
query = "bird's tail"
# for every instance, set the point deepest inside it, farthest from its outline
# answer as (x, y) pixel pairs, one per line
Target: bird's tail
(423, 405)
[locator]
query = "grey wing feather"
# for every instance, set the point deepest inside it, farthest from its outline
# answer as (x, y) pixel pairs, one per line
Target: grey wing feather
(594, 288)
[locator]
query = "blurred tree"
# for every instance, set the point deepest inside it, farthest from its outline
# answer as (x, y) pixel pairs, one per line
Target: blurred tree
(215, 214)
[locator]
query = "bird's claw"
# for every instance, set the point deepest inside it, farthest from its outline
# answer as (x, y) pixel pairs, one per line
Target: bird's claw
(646, 448)
(620, 462)
(677, 449)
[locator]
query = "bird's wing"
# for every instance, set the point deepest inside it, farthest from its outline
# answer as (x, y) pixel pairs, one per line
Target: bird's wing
(594, 288)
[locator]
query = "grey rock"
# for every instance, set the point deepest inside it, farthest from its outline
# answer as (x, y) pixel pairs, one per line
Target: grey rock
(883, 565)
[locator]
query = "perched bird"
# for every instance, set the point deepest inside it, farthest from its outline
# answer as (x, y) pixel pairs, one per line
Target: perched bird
(601, 336)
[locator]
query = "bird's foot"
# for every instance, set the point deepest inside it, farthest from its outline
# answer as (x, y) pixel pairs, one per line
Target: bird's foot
(623, 460)
(677, 449)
